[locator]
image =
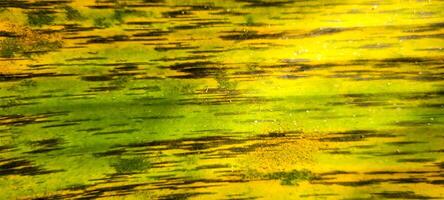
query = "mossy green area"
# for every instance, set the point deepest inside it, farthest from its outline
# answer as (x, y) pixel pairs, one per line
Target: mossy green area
(236, 99)
(129, 165)
(40, 17)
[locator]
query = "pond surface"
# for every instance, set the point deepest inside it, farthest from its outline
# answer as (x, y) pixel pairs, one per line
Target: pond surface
(232, 99)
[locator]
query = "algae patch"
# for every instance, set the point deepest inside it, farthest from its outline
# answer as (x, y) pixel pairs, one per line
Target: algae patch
(130, 165)
(27, 42)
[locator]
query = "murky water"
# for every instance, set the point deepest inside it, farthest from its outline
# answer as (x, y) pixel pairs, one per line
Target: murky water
(233, 99)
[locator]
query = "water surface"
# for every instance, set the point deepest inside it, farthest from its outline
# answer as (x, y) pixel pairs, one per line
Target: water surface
(233, 99)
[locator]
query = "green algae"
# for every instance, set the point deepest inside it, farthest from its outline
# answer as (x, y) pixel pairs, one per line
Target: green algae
(127, 165)
(40, 17)
(167, 99)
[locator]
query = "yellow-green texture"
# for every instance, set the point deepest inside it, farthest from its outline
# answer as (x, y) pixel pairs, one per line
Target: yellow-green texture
(224, 99)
